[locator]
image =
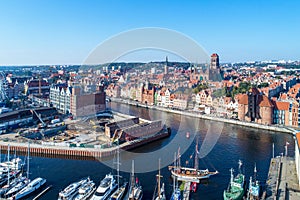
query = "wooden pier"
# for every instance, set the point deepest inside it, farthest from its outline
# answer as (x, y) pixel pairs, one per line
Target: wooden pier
(42, 193)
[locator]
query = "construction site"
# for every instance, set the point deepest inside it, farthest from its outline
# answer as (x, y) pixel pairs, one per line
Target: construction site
(105, 131)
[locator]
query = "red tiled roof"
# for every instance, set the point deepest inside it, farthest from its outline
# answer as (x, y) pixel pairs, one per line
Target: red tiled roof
(281, 105)
(264, 101)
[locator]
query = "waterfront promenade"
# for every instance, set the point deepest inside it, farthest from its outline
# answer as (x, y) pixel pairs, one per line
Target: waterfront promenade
(191, 113)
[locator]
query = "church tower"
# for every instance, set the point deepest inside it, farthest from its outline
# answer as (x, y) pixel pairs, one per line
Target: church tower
(166, 66)
(215, 72)
(214, 61)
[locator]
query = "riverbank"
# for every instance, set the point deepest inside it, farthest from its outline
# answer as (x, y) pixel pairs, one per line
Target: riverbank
(207, 117)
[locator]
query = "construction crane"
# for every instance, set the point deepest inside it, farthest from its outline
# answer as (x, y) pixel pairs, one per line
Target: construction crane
(39, 117)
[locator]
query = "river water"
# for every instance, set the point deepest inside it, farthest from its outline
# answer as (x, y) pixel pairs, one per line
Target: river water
(231, 144)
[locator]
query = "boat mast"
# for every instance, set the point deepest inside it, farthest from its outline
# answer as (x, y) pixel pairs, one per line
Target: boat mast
(158, 182)
(8, 173)
(196, 156)
(240, 166)
(118, 165)
(255, 171)
(231, 175)
(178, 161)
(132, 179)
(175, 166)
(28, 160)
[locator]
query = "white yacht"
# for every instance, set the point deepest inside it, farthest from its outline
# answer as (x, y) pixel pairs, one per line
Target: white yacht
(23, 182)
(30, 188)
(11, 185)
(72, 190)
(86, 190)
(14, 164)
(106, 187)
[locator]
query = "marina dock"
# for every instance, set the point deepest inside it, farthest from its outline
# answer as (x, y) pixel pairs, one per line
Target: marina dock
(42, 193)
(282, 179)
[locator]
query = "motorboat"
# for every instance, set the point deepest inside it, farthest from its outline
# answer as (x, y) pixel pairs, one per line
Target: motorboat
(86, 190)
(106, 187)
(72, 190)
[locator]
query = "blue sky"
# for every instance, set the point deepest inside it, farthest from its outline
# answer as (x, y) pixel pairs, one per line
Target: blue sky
(65, 32)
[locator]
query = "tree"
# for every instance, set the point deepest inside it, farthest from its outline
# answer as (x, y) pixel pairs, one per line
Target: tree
(200, 87)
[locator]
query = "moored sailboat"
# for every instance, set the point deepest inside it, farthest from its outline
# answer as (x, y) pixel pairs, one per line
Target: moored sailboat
(176, 195)
(135, 191)
(160, 195)
(119, 193)
(32, 186)
(22, 180)
(190, 174)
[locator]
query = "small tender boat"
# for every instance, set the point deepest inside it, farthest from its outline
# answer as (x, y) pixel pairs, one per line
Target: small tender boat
(187, 135)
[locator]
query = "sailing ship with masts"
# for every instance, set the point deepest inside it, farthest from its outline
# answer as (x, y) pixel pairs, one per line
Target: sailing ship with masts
(188, 174)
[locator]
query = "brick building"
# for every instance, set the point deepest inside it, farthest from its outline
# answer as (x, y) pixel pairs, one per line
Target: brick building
(87, 104)
(255, 107)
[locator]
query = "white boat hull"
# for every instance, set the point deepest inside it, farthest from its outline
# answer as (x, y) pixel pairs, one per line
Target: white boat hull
(28, 190)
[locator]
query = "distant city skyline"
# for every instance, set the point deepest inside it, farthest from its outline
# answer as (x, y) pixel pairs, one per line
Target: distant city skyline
(65, 32)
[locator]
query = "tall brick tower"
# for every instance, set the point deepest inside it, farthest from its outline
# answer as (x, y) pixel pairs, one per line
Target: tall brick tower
(214, 61)
(215, 73)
